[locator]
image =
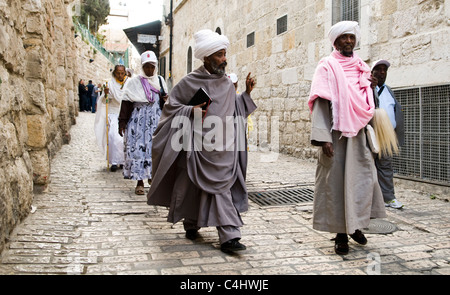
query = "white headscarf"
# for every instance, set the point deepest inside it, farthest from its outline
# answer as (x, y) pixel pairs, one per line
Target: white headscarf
(344, 27)
(150, 57)
(134, 91)
(208, 42)
(131, 71)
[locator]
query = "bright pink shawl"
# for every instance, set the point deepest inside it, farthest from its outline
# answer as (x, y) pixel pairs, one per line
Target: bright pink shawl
(345, 82)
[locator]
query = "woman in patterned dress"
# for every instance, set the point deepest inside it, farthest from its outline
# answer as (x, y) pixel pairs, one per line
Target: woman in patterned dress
(139, 117)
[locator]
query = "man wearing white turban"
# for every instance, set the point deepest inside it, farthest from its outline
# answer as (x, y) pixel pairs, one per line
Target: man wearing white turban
(207, 42)
(344, 28)
(204, 182)
(347, 194)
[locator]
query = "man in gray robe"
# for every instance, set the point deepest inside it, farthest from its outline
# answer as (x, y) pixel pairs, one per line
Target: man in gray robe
(347, 194)
(200, 157)
(385, 99)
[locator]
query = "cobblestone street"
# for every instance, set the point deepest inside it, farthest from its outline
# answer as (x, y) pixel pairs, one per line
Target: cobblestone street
(89, 221)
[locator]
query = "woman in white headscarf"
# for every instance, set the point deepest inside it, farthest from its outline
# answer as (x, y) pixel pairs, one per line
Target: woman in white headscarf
(139, 117)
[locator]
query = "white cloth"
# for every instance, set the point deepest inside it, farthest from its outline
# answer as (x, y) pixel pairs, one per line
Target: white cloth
(387, 102)
(134, 91)
(233, 77)
(131, 71)
(116, 153)
(344, 27)
(208, 42)
(115, 140)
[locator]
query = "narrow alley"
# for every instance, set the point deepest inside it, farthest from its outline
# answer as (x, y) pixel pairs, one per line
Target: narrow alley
(89, 221)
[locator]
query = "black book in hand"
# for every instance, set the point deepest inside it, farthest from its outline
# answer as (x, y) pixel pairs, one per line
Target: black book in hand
(201, 97)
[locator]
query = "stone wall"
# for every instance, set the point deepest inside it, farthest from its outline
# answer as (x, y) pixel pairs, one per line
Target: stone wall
(40, 65)
(411, 34)
(99, 71)
(36, 99)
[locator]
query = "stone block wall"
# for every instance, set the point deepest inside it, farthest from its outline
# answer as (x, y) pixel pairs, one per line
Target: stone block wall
(99, 71)
(282, 64)
(37, 90)
(412, 34)
(41, 63)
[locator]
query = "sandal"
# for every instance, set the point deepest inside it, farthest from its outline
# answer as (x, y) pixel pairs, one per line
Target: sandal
(139, 190)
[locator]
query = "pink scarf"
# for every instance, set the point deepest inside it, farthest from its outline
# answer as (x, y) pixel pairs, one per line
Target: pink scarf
(344, 81)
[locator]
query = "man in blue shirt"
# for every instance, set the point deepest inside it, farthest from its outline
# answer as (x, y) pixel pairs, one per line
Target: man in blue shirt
(385, 99)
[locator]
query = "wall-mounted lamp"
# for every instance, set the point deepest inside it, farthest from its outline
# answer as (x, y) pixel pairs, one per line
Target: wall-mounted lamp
(168, 19)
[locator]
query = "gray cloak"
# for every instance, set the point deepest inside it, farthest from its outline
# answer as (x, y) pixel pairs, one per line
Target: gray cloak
(200, 185)
(347, 194)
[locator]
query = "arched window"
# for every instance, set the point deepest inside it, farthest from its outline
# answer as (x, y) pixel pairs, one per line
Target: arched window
(219, 31)
(189, 60)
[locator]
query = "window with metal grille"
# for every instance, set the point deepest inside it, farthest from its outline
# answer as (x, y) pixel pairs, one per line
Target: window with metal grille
(346, 10)
(162, 67)
(282, 25)
(250, 39)
(426, 153)
(189, 60)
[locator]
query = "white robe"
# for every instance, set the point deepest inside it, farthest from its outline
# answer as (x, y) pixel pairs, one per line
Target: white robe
(116, 148)
(347, 194)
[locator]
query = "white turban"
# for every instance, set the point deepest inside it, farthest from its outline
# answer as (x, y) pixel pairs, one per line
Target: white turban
(344, 27)
(208, 42)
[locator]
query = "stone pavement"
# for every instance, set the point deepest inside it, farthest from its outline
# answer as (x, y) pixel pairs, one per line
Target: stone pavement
(89, 221)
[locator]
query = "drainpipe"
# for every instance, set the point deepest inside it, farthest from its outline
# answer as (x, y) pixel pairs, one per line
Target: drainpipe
(171, 40)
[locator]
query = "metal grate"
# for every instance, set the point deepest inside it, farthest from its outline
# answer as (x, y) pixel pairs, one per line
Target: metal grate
(426, 153)
(350, 10)
(379, 226)
(250, 39)
(282, 197)
(282, 24)
(189, 60)
(346, 10)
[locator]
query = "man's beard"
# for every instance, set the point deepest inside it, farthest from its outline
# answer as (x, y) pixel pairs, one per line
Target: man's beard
(219, 69)
(346, 51)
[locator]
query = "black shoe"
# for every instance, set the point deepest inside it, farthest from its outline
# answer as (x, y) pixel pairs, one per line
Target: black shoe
(341, 244)
(113, 168)
(231, 246)
(359, 237)
(191, 234)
